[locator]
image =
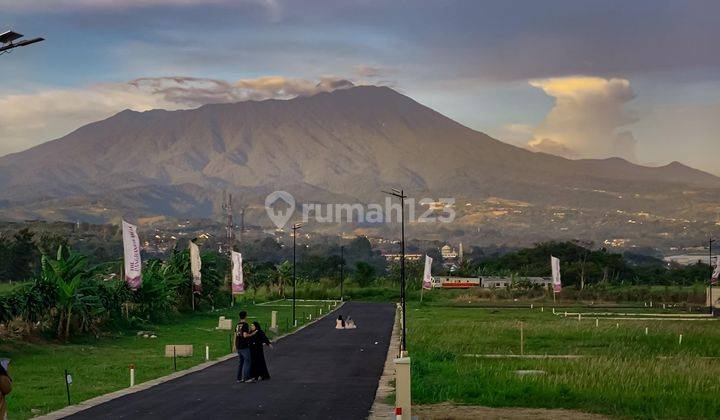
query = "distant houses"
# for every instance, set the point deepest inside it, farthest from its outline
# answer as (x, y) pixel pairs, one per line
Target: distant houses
(488, 282)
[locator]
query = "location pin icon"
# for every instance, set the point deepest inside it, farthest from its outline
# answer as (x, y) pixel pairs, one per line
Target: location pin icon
(280, 206)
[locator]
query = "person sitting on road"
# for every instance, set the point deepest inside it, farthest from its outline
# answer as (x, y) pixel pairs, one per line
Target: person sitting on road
(340, 323)
(350, 324)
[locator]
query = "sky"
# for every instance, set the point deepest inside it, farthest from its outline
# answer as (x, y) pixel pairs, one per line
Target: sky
(579, 78)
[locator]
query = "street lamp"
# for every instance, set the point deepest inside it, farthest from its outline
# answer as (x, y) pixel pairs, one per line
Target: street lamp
(342, 265)
(295, 228)
(401, 195)
(8, 39)
(710, 244)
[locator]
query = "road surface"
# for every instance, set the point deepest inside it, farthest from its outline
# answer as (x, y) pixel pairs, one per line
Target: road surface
(317, 373)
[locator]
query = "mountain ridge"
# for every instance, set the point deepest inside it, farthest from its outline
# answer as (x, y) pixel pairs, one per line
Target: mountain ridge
(349, 144)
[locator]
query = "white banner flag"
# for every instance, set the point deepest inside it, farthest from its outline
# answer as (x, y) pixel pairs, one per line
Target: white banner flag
(557, 282)
(195, 266)
(427, 275)
(238, 284)
(133, 264)
(716, 273)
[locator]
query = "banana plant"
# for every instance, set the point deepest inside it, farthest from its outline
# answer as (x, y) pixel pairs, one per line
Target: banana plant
(69, 273)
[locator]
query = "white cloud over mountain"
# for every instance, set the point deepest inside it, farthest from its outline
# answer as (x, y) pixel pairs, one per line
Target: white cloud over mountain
(588, 118)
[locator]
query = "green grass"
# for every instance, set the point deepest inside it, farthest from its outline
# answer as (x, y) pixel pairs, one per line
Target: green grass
(625, 374)
(9, 287)
(101, 366)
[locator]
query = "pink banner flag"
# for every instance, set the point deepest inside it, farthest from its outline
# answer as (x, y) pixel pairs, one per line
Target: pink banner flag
(195, 266)
(716, 272)
(238, 284)
(557, 282)
(427, 275)
(133, 264)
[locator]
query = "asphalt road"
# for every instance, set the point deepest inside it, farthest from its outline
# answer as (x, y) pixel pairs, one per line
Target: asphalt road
(317, 373)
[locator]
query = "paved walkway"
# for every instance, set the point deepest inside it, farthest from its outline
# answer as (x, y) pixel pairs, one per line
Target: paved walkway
(317, 373)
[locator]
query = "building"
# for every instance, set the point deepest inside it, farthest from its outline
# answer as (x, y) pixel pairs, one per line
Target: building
(491, 282)
(398, 257)
(449, 282)
(448, 253)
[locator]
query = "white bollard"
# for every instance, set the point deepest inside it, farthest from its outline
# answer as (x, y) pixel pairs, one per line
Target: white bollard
(553, 311)
(565, 314)
(579, 317)
(646, 330)
(273, 321)
(531, 306)
(132, 375)
(651, 305)
(402, 388)
(207, 352)
(542, 309)
(680, 339)
(617, 325)
(320, 311)
(597, 322)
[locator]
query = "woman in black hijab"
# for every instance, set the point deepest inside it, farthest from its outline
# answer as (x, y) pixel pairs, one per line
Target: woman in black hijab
(258, 367)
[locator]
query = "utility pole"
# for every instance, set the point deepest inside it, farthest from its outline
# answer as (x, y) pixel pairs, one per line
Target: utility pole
(401, 195)
(295, 228)
(242, 223)
(229, 224)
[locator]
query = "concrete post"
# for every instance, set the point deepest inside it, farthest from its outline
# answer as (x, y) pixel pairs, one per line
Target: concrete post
(207, 352)
(403, 400)
(273, 322)
(132, 375)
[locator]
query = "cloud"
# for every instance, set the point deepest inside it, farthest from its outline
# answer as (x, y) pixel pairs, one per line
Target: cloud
(30, 119)
(587, 118)
(271, 6)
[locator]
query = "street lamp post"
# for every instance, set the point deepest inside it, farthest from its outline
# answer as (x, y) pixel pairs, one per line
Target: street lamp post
(710, 244)
(342, 265)
(401, 195)
(295, 228)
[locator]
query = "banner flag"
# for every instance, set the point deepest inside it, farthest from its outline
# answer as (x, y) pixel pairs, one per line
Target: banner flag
(238, 285)
(195, 266)
(427, 276)
(557, 282)
(716, 273)
(133, 264)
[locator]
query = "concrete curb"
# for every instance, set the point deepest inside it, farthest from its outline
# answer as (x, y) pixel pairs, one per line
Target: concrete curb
(380, 408)
(92, 402)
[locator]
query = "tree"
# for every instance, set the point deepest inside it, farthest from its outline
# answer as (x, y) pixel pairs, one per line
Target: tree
(364, 273)
(284, 272)
(74, 295)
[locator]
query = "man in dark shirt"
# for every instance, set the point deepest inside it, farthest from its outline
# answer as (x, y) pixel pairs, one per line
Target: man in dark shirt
(242, 342)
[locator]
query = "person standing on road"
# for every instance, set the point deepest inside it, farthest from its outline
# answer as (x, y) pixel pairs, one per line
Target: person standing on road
(242, 342)
(5, 387)
(258, 368)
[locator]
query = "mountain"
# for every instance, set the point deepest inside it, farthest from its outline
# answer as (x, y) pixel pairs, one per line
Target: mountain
(343, 145)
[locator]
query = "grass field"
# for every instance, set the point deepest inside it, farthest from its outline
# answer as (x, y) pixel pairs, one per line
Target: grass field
(623, 371)
(8, 287)
(101, 366)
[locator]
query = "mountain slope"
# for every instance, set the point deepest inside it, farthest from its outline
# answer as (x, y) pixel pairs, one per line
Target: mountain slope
(348, 143)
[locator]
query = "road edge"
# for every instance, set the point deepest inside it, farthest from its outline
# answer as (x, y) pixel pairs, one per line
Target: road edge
(381, 409)
(102, 399)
